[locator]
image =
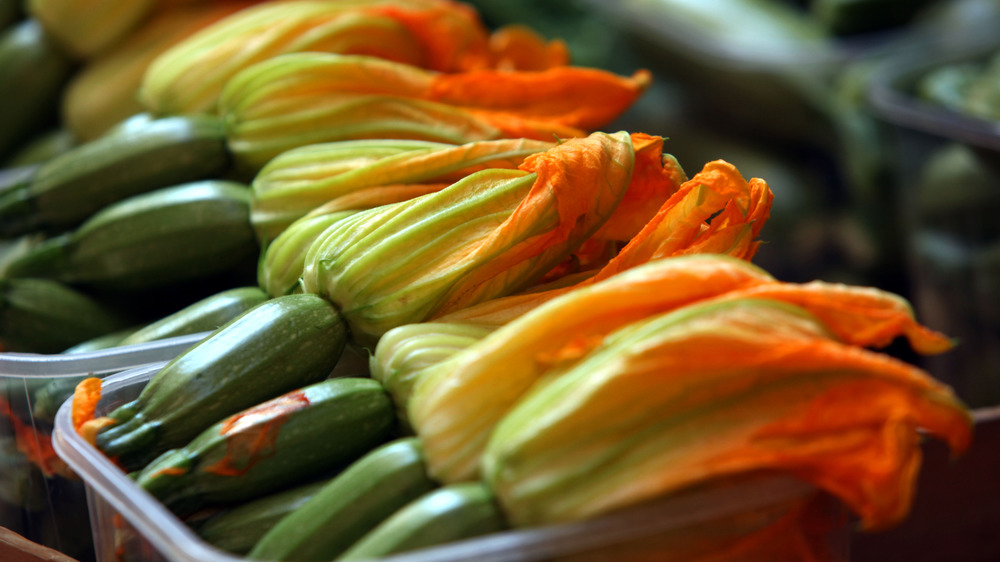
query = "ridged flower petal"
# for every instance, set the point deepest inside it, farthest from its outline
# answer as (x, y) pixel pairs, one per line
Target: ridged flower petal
(436, 34)
(302, 179)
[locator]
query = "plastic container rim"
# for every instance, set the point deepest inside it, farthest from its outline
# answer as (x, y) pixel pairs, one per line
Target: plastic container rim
(32, 365)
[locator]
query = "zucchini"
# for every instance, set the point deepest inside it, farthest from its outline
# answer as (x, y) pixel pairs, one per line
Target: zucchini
(280, 345)
(45, 316)
(237, 529)
(157, 239)
(33, 72)
(71, 187)
(302, 434)
(15, 179)
(106, 341)
(43, 148)
(50, 397)
(450, 513)
(350, 505)
(203, 316)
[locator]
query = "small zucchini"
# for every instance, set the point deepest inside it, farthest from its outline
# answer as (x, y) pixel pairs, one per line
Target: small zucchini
(351, 504)
(298, 435)
(282, 344)
(33, 72)
(450, 513)
(45, 316)
(236, 529)
(205, 315)
(71, 187)
(189, 231)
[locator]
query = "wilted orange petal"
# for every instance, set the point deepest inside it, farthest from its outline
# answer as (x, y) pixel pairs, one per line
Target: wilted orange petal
(682, 218)
(579, 97)
(517, 47)
(85, 398)
(655, 178)
(862, 316)
(451, 33)
(580, 179)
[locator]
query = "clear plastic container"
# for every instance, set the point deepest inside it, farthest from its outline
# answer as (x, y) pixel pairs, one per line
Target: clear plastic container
(40, 496)
(130, 525)
(947, 176)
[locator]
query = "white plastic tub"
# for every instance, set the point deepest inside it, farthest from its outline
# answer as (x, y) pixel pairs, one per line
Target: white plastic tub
(43, 500)
(130, 525)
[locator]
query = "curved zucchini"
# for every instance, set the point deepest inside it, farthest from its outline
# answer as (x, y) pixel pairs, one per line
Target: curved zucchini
(43, 148)
(71, 187)
(203, 316)
(295, 436)
(156, 239)
(350, 505)
(451, 513)
(280, 345)
(44, 316)
(237, 529)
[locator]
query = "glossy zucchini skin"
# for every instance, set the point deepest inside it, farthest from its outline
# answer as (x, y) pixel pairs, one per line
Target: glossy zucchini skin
(157, 239)
(447, 514)
(236, 529)
(282, 344)
(350, 505)
(205, 315)
(73, 186)
(298, 435)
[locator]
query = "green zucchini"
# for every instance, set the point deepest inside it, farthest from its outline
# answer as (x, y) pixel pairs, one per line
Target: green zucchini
(237, 529)
(71, 187)
(106, 341)
(50, 397)
(280, 345)
(43, 148)
(351, 504)
(16, 178)
(157, 239)
(450, 513)
(33, 72)
(302, 434)
(45, 316)
(203, 316)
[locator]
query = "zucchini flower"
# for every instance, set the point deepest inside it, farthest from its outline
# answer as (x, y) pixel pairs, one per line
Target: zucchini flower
(455, 404)
(302, 179)
(492, 233)
(712, 390)
(719, 190)
(307, 98)
(439, 35)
